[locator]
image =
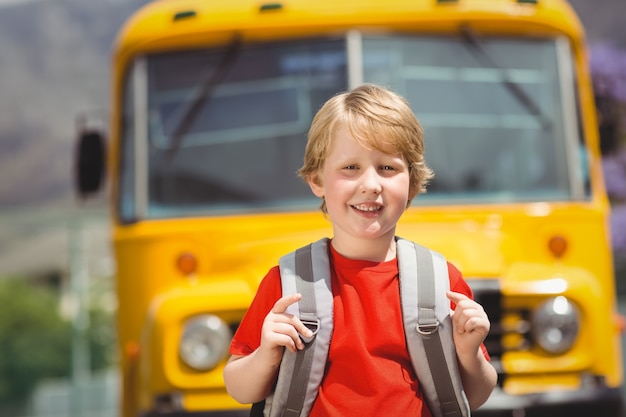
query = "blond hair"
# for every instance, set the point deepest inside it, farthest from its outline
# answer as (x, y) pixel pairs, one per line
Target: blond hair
(376, 118)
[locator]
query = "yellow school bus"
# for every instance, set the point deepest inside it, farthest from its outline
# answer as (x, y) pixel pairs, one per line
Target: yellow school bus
(211, 103)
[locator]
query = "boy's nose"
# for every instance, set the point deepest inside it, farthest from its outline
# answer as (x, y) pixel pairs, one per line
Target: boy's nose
(370, 181)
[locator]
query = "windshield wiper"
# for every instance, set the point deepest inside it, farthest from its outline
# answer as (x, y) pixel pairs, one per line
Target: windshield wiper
(479, 50)
(204, 94)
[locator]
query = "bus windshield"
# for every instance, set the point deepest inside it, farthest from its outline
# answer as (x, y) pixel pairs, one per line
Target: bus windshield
(499, 118)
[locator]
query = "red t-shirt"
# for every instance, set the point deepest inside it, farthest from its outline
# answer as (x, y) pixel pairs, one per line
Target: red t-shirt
(369, 372)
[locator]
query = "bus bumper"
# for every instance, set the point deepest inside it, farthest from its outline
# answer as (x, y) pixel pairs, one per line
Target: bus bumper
(597, 401)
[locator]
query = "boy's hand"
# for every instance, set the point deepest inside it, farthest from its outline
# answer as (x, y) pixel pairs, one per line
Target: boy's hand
(470, 323)
(281, 329)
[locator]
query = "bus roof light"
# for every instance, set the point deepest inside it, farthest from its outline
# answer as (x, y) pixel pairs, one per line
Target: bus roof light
(269, 7)
(184, 15)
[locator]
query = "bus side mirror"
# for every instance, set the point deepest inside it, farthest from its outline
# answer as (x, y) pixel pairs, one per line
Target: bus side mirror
(90, 162)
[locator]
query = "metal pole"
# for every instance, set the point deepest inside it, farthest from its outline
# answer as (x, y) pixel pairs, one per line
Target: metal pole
(80, 316)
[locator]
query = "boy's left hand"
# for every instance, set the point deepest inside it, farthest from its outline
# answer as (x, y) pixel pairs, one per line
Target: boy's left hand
(470, 323)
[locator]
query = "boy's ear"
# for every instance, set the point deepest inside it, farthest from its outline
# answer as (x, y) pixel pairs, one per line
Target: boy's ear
(316, 185)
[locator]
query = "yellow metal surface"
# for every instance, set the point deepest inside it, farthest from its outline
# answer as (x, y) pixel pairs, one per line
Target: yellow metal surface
(543, 383)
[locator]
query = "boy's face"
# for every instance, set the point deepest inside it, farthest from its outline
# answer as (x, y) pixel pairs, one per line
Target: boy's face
(366, 190)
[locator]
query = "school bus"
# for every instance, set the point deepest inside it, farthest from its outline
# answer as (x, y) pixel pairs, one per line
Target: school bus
(210, 105)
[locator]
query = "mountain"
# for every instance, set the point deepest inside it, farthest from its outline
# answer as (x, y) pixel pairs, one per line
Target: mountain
(54, 65)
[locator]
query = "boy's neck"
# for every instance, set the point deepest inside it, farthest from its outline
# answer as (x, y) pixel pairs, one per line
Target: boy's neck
(375, 250)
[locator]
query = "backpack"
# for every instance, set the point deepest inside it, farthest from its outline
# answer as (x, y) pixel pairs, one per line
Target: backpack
(426, 319)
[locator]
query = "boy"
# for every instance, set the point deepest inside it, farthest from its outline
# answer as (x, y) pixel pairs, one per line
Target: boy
(364, 159)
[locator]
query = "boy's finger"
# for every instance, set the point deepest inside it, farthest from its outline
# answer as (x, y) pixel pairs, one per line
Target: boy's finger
(455, 297)
(304, 331)
(284, 302)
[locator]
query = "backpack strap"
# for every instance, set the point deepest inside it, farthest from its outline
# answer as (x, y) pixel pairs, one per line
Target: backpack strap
(305, 271)
(428, 328)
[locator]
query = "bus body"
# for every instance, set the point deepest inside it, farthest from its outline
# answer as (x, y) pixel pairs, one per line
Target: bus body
(211, 103)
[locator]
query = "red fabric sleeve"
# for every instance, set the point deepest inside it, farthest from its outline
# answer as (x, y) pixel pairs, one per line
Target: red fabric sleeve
(458, 284)
(248, 336)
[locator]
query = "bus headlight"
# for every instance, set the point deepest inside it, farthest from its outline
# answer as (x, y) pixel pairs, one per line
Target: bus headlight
(205, 342)
(555, 325)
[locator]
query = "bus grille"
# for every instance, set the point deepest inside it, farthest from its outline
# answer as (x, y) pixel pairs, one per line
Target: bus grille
(487, 293)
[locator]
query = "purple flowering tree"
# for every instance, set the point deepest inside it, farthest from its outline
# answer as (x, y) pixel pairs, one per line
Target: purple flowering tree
(608, 67)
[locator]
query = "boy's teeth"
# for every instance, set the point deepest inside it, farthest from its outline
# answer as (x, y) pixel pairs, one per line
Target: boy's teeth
(366, 208)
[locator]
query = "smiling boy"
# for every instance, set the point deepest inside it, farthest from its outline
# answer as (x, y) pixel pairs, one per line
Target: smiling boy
(365, 160)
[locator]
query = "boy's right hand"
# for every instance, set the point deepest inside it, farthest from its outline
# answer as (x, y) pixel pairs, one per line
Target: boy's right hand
(282, 330)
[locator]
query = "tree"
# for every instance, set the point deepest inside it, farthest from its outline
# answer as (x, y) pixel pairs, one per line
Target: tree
(35, 340)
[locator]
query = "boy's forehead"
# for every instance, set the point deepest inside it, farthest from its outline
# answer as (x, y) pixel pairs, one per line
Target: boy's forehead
(368, 140)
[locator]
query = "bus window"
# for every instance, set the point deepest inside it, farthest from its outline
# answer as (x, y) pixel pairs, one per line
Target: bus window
(242, 151)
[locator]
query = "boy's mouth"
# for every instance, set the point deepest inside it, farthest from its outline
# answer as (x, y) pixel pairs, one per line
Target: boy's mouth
(370, 208)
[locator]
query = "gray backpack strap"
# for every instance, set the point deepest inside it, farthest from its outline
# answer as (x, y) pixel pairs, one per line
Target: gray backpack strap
(305, 271)
(428, 328)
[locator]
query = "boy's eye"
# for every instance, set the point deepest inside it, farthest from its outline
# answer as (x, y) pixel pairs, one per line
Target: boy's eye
(387, 168)
(350, 167)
